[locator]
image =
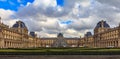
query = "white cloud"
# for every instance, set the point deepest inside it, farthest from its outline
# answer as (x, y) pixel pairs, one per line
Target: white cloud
(6, 17)
(43, 16)
(85, 3)
(5, 14)
(44, 3)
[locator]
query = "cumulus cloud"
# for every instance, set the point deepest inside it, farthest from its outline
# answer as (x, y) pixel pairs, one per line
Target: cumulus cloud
(44, 16)
(109, 11)
(6, 16)
(110, 3)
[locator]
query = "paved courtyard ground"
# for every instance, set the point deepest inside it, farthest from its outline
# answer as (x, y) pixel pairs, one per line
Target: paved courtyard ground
(59, 56)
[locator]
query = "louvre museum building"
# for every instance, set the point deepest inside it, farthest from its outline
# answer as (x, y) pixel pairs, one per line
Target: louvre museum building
(18, 36)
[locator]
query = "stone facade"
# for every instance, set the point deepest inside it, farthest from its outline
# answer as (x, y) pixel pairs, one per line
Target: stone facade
(17, 37)
(104, 37)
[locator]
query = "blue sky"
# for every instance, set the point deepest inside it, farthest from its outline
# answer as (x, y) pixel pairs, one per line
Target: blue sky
(60, 2)
(66, 22)
(15, 4)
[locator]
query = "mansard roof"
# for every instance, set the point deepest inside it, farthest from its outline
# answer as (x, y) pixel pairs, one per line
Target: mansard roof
(32, 34)
(88, 34)
(102, 23)
(19, 24)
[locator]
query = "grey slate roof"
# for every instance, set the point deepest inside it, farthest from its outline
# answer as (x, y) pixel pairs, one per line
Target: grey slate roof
(99, 24)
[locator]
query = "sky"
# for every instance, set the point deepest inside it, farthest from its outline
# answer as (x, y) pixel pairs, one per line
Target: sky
(71, 17)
